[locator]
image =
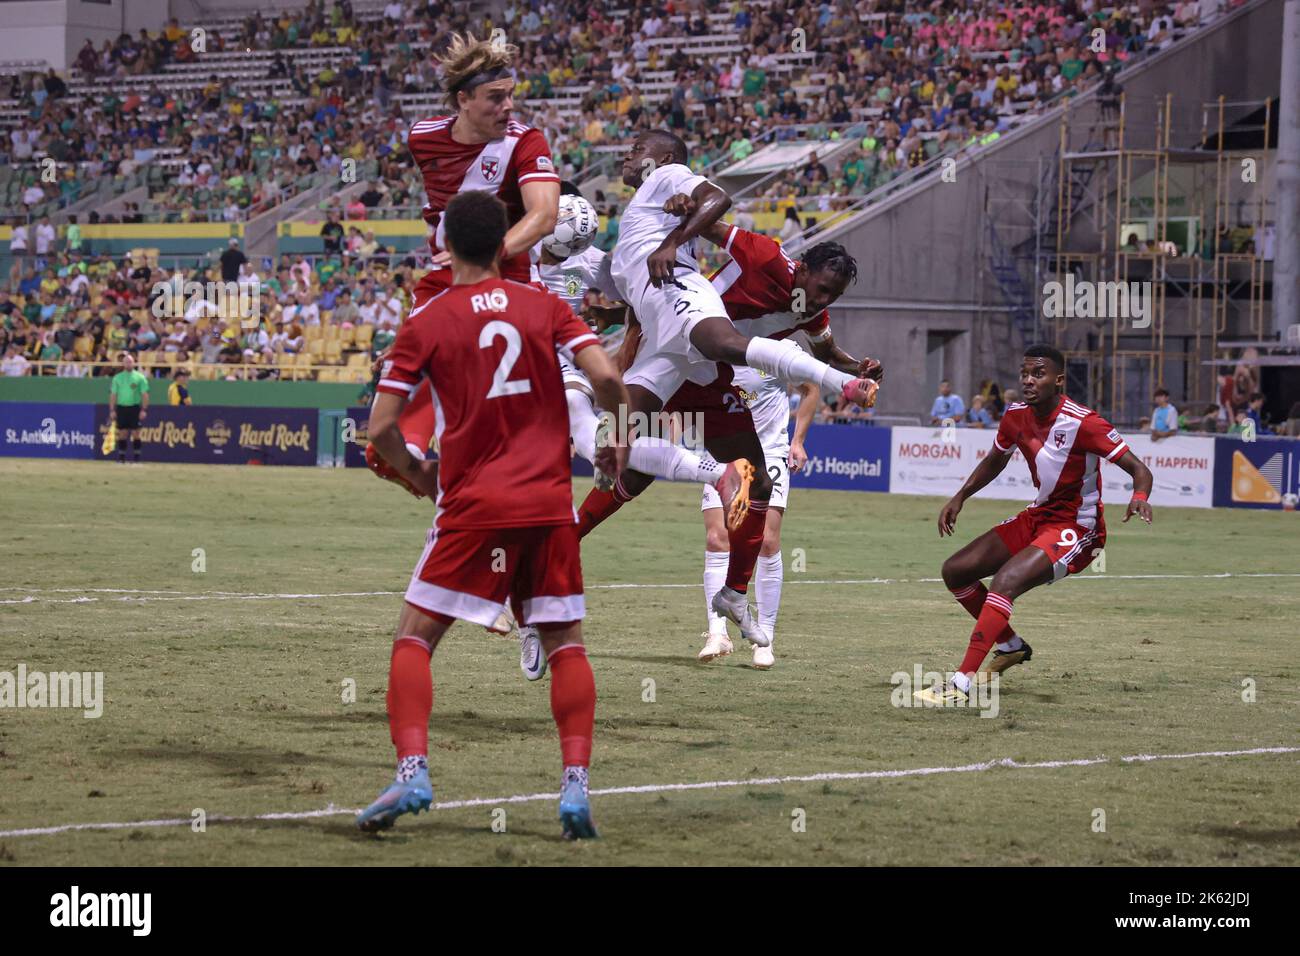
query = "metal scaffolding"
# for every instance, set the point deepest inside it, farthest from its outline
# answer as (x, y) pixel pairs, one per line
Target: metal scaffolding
(1113, 184)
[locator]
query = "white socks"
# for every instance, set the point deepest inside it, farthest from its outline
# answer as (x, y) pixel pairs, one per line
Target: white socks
(650, 456)
(961, 682)
(785, 361)
(582, 423)
(715, 576)
(768, 575)
(660, 457)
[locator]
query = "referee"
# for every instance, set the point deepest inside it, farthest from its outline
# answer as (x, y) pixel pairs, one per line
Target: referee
(128, 401)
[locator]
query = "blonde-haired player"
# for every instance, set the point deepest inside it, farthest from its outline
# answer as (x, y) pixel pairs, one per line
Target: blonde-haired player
(477, 146)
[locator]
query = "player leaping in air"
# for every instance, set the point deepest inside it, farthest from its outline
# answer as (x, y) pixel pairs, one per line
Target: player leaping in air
(583, 281)
(479, 147)
(1064, 445)
(686, 332)
(765, 293)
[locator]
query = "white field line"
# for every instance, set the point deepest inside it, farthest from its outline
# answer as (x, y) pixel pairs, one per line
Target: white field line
(131, 595)
(1004, 763)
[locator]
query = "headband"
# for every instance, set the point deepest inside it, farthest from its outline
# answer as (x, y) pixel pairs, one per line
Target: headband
(481, 77)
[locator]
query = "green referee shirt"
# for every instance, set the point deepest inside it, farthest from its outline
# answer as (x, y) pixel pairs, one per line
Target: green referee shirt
(130, 387)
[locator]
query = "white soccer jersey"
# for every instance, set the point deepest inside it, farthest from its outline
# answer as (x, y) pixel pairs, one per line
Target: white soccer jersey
(768, 404)
(571, 278)
(645, 225)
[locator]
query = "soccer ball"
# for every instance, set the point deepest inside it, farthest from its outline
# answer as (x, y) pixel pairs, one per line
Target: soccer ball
(575, 228)
(1290, 500)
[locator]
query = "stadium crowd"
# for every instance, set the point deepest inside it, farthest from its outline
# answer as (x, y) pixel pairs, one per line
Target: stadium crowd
(905, 80)
(73, 314)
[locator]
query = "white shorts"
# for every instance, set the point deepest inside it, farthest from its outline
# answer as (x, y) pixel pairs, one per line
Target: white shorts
(668, 314)
(778, 469)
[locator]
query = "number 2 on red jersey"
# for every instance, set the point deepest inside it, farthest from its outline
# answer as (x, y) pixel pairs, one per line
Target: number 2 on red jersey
(514, 347)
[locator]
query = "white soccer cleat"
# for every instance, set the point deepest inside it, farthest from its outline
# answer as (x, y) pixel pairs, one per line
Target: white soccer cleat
(504, 624)
(946, 696)
(764, 658)
(532, 659)
(715, 646)
(734, 606)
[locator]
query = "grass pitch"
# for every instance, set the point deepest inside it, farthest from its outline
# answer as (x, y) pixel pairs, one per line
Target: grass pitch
(226, 694)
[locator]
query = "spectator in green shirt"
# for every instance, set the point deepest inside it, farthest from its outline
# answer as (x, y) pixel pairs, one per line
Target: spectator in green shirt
(128, 404)
(73, 235)
(753, 81)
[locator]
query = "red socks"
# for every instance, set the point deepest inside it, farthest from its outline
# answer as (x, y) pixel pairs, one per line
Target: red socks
(419, 419)
(573, 702)
(599, 505)
(410, 697)
(992, 627)
(410, 700)
(746, 542)
(972, 599)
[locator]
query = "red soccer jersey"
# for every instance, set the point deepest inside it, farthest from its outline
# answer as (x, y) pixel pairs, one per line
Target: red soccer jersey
(499, 167)
(757, 286)
(1064, 452)
(489, 352)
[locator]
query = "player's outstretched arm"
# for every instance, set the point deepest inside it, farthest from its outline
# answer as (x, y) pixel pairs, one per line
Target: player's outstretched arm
(611, 395)
(825, 350)
(988, 469)
(810, 401)
(1142, 482)
(388, 441)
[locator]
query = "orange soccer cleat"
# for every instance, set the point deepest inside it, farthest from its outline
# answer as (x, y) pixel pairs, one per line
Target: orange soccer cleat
(384, 470)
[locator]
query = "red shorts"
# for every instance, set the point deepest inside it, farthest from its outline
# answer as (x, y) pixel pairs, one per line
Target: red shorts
(719, 404)
(471, 573)
(1069, 546)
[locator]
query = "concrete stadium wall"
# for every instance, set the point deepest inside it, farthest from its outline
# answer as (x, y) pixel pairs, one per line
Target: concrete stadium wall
(921, 252)
(55, 30)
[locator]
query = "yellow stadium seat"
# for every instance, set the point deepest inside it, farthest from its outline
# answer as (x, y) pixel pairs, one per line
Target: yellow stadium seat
(83, 347)
(312, 333)
(333, 352)
(205, 373)
(329, 332)
(302, 361)
(358, 360)
(166, 358)
(285, 360)
(363, 335)
(327, 375)
(346, 336)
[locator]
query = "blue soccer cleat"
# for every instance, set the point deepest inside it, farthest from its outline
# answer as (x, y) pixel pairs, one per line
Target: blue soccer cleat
(412, 796)
(575, 812)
